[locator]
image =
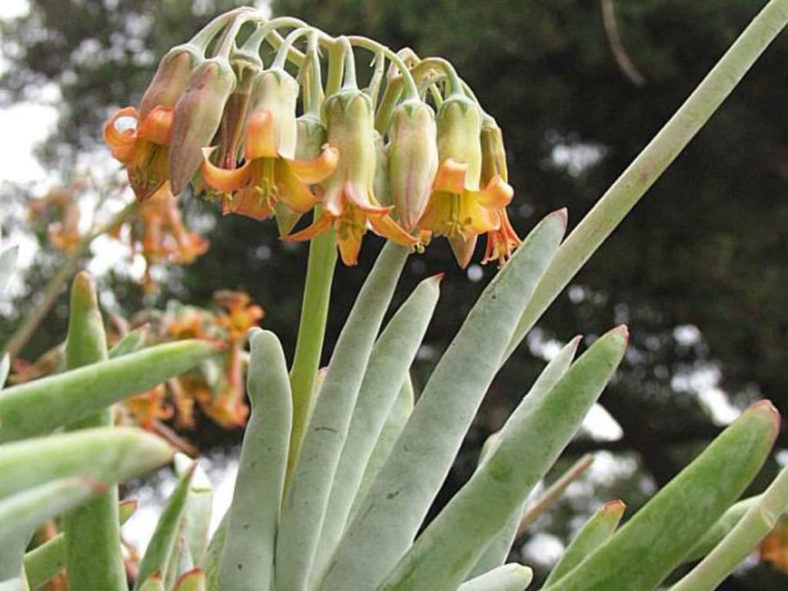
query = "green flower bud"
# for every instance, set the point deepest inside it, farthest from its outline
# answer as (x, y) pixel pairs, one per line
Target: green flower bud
(413, 160)
(493, 152)
(459, 127)
(382, 186)
(170, 78)
(277, 91)
(351, 129)
(198, 114)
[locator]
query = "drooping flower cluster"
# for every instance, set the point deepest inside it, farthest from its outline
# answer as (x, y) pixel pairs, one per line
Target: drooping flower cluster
(410, 156)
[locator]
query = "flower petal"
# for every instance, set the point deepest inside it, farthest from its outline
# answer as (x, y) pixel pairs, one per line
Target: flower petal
(388, 228)
(121, 142)
(363, 199)
(292, 192)
(157, 125)
(318, 169)
(322, 224)
(498, 193)
(261, 136)
(463, 248)
(451, 176)
(223, 179)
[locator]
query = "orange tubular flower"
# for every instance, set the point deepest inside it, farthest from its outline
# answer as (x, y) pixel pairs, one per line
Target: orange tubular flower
(271, 174)
(142, 147)
(349, 202)
(458, 207)
(501, 242)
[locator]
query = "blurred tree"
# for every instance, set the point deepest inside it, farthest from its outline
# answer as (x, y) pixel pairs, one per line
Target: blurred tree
(697, 270)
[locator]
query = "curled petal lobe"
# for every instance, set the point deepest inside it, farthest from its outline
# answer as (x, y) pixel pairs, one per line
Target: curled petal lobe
(322, 224)
(121, 141)
(223, 179)
(388, 228)
(318, 169)
(363, 199)
(497, 194)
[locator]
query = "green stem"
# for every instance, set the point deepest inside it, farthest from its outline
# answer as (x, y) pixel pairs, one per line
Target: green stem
(311, 331)
(753, 527)
(633, 183)
(410, 86)
(53, 289)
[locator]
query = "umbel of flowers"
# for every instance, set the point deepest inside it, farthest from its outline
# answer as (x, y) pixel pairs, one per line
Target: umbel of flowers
(410, 155)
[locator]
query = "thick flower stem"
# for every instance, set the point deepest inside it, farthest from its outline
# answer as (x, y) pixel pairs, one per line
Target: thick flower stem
(311, 330)
(633, 183)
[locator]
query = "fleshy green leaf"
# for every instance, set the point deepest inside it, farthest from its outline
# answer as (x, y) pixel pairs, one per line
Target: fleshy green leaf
(47, 560)
(388, 367)
(759, 520)
(400, 496)
(509, 577)
(530, 441)
(93, 555)
(78, 393)
(248, 557)
(498, 550)
(153, 583)
(395, 422)
(165, 536)
(665, 529)
(199, 506)
(720, 529)
(194, 580)
(105, 455)
(308, 491)
(593, 534)
(131, 343)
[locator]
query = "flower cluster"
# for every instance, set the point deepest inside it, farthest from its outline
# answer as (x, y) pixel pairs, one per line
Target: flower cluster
(159, 235)
(409, 156)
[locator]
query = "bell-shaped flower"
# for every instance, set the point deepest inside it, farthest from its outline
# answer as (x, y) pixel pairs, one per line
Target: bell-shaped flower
(271, 174)
(502, 241)
(412, 160)
(196, 118)
(349, 203)
(142, 145)
(170, 79)
(459, 207)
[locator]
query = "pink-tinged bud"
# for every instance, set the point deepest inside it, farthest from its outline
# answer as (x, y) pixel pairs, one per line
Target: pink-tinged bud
(198, 114)
(276, 91)
(413, 160)
(459, 128)
(170, 79)
(233, 125)
(493, 152)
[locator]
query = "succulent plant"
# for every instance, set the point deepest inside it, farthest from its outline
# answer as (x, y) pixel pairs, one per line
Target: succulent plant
(337, 473)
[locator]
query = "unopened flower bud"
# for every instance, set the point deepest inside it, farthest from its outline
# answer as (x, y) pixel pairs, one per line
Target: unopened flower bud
(275, 91)
(198, 114)
(351, 129)
(170, 78)
(413, 160)
(459, 126)
(382, 186)
(493, 152)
